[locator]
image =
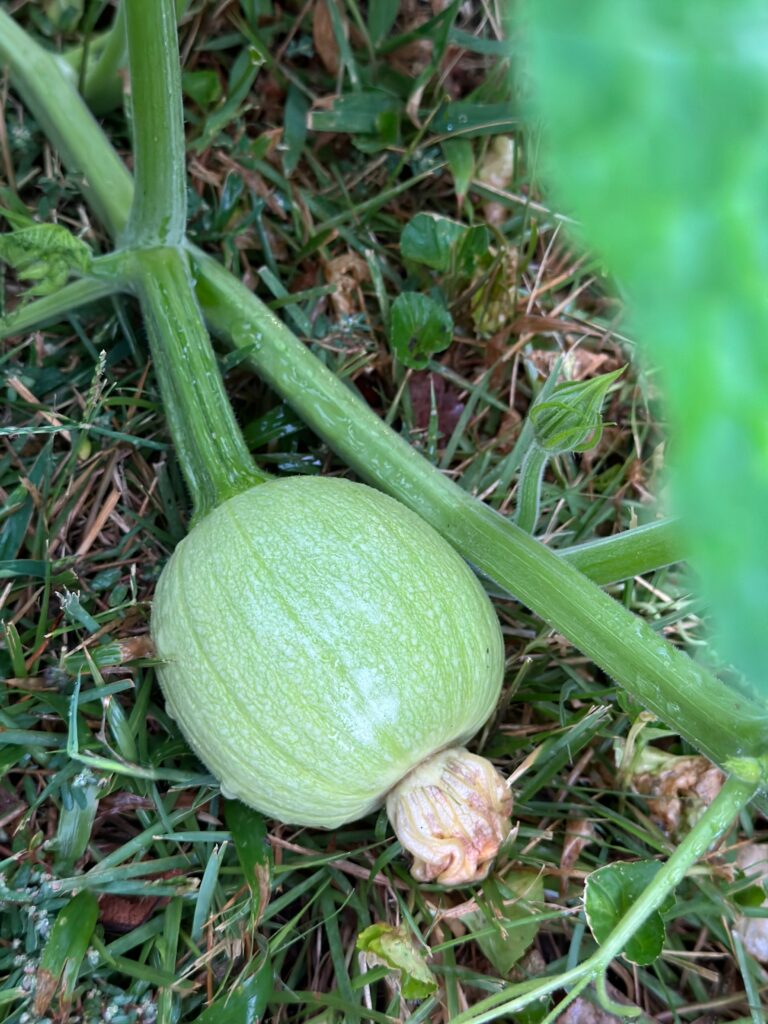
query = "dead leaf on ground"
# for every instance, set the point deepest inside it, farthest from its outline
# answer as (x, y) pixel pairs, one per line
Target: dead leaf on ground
(121, 914)
(346, 273)
(413, 57)
(579, 833)
(579, 363)
(323, 36)
(678, 788)
(449, 407)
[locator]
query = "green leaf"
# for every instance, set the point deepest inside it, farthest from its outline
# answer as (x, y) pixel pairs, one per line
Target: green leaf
(246, 1002)
(474, 119)
(395, 948)
(45, 253)
(418, 326)
(294, 128)
(249, 834)
(656, 116)
(382, 15)
(355, 113)
(472, 249)
(203, 87)
(79, 804)
(570, 420)
(431, 239)
(610, 892)
(64, 15)
(443, 244)
(64, 952)
(513, 934)
(752, 896)
(460, 158)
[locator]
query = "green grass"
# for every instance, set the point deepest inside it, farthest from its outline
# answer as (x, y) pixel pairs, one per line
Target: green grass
(100, 795)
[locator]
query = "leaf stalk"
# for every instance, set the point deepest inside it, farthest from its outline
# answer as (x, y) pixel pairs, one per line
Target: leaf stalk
(158, 214)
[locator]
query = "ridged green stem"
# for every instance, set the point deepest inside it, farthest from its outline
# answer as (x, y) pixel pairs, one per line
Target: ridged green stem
(159, 211)
(529, 487)
(629, 554)
(209, 445)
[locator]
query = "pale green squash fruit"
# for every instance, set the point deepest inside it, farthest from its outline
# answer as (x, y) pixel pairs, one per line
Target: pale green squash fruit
(317, 642)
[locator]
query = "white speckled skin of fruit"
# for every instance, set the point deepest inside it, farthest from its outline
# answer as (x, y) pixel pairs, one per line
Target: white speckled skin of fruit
(317, 641)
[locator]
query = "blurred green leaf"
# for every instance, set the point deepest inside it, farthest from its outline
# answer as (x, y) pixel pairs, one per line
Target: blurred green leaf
(418, 326)
(246, 1002)
(79, 803)
(430, 239)
(460, 158)
(443, 244)
(355, 113)
(46, 254)
(610, 892)
(64, 952)
(249, 834)
(396, 948)
(511, 935)
(64, 15)
(655, 118)
(294, 128)
(382, 15)
(203, 87)
(752, 896)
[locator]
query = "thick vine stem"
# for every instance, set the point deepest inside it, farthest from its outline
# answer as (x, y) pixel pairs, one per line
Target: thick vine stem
(452, 814)
(213, 455)
(159, 211)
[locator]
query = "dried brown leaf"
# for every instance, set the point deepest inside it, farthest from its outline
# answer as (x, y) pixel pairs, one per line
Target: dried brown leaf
(579, 833)
(449, 407)
(346, 273)
(581, 364)
(324, 37)
(678, 794)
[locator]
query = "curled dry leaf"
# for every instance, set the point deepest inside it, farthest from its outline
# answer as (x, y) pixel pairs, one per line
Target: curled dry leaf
(679, 789)
(134, 647)
(347, 273)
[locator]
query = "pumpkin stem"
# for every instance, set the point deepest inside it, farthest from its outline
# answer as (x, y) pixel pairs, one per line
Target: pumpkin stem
(452, 813)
